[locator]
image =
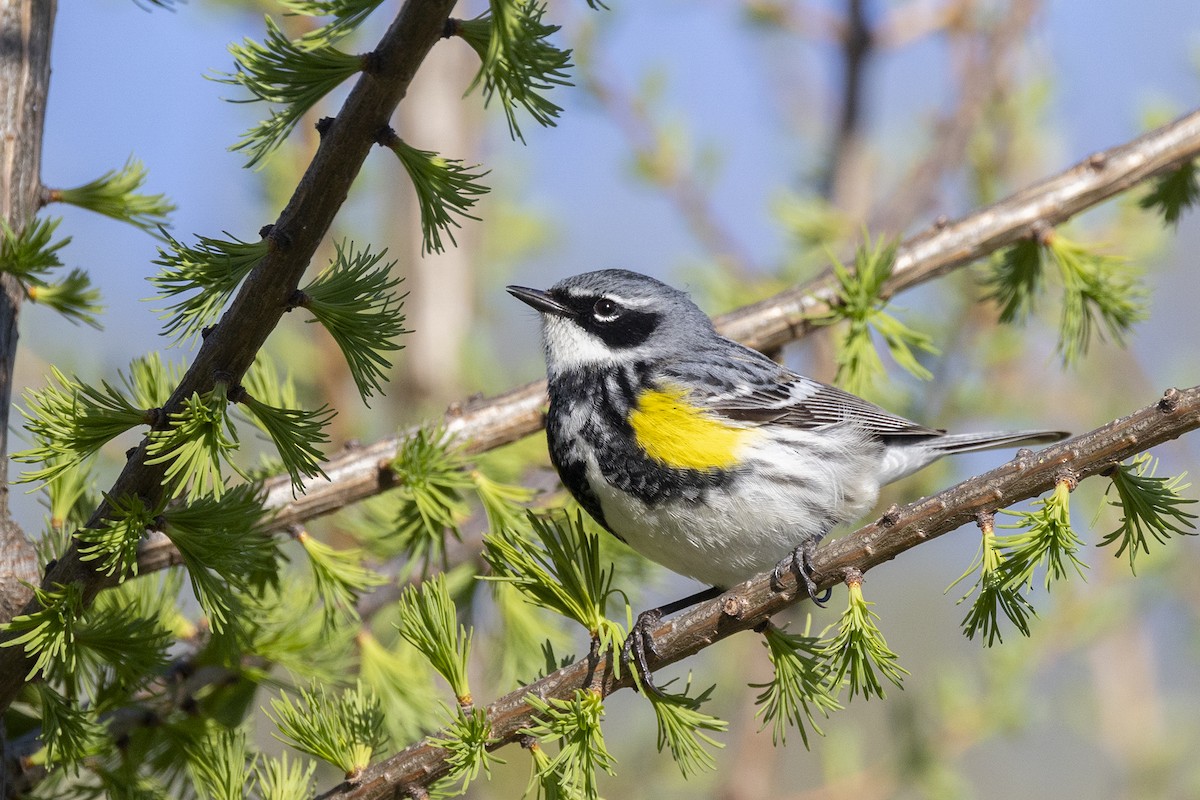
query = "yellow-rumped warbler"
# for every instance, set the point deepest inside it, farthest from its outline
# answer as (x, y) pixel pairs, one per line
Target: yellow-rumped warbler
(700, 453)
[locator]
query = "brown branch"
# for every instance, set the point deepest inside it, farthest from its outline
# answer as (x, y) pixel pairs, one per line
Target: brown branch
(231, 346)
(747, 605)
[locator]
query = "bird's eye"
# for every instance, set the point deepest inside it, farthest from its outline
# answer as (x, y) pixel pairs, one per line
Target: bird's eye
(604, 309)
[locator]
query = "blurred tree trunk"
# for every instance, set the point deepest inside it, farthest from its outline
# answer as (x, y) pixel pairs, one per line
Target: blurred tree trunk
(441, 286)
(25, 31)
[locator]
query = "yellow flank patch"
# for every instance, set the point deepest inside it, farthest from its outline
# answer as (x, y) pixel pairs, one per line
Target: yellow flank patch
(680, 435)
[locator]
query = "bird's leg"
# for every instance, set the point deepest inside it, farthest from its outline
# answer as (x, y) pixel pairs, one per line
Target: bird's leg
(799, 561)
(640, 641)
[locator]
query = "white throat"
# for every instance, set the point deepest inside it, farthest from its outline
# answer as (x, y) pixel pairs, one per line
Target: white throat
(570, 347)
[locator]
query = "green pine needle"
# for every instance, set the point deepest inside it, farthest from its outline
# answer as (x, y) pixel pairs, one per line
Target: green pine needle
(49, 634)
(219, 765)
(71, 421)
(518, 64)
(575, 725)
(1015, 280)
(353, 299)
(861, 305)
(444, 187)
(339, 575)
(520, 636)
(296, 435)
(467, 738)
(544, 783)
(268, 384)
(114, 194)
(292, 74)
(681, 726)
(345, 731)
(201, 436)
(69, 732)
(1097, 289)
(281, 779)
(1148, 504)
(402, 681)
(503, 503)
(225, 547)
(114, 544)
(208, 272)
(799, 688)
(31, 255)
(859, 653)
(70, 500)
(122, 645)
(145, 611)
(347, 16)
(429, 622)
(559, 569)
(283, 623)
(1173, 192)
(1048, 542)
(151, 381)
(995, 592)
(74, 297)
(430, 500)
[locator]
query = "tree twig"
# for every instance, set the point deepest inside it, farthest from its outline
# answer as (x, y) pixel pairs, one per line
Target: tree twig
(747, 605)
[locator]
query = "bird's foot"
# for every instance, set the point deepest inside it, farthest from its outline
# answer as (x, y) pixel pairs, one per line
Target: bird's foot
(639, 645)
(799, 562)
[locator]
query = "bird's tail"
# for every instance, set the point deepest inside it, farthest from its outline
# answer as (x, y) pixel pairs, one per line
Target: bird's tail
(966, 442)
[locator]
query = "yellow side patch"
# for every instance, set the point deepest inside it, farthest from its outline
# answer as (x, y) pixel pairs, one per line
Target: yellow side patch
(680, 435)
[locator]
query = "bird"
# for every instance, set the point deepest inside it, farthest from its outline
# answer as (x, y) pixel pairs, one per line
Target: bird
(704, 455)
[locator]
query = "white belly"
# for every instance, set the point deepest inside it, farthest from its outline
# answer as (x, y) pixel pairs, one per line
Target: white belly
(750, 526)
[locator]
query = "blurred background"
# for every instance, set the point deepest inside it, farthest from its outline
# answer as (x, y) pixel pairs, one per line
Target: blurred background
(731, 148)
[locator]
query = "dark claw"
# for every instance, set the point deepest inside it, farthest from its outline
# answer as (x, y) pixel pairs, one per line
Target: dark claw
(637, 645)
(799, 561)
(640, 642)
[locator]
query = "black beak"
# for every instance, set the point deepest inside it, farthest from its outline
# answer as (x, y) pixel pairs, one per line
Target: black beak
(542, 301)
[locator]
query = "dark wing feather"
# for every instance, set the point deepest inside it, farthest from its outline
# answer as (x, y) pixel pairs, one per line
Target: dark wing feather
(787, 404)
(745, 385)
(765, 392)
